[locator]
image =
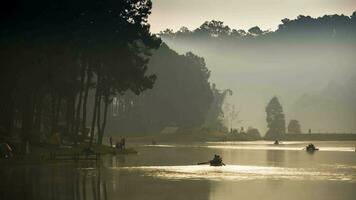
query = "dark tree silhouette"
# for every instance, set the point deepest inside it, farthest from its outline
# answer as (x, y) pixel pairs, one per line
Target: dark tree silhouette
(181, 97)
(306, 27)
(294, 127)
(215, 116)
(55, 54)
(275, 119)
(255, 31)
(254, 133)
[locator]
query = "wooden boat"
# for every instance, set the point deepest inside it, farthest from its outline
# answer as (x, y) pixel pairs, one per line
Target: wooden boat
(216, 162)
(311, 148)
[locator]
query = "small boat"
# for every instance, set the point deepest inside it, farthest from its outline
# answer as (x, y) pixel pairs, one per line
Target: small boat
(311, 148)
(276, 142)
(216, 161)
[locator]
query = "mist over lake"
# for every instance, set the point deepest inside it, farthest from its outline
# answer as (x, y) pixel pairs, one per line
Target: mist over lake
(165, 99)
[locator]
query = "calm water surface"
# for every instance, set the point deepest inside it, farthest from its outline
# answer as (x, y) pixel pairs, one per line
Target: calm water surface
(254, 170)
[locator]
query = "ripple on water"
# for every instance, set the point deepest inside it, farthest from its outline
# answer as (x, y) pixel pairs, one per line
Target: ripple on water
(237, 173)
(256, 146)
(160, 145)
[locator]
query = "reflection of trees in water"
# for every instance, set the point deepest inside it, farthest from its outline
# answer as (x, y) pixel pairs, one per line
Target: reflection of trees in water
(96, 190)
(72, 182)
(275, 158)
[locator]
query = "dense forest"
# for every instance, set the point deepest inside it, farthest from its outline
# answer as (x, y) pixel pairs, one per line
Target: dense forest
(300, 62)
(332, 26)
(53, 53)
(79, 69)
(181, 97)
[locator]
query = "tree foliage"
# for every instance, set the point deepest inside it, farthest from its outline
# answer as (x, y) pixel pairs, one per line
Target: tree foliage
(182, 96)
(294, 127)
(331, 26)
(275, 119)
(53, 53)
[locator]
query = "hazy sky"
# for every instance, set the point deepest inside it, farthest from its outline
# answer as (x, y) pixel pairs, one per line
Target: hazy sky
(240, 14)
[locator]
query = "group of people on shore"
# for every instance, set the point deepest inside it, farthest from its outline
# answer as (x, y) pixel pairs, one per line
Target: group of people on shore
(119, 144)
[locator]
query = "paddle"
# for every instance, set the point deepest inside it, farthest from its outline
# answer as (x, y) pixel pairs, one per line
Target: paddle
(204, 163)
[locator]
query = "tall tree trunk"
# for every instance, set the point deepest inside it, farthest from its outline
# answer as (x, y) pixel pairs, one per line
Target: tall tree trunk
(53, 113)
(79, 105)
(68, 114)
(72, 114)
(27, 117)
(106, 100)
(94, 112)
(39, 112)
(7, 117)
(85, 100)
(58, 110)
(99, 117)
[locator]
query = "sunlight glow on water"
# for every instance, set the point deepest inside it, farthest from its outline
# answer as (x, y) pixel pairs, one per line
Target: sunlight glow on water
(257, 142)
(279, 147)
(237, 173)
(259, 145)
(160, 145)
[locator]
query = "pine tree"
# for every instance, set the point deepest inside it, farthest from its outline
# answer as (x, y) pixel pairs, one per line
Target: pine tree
(275, 119)
(294, 127)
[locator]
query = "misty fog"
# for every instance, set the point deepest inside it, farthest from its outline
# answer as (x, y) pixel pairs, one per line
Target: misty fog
(310, 68)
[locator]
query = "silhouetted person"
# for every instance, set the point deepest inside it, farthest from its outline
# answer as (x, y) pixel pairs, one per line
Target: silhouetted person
(311, 147)
(110, 141)
(123, 143)
(5, 151)
(216, 161)
(118, 145)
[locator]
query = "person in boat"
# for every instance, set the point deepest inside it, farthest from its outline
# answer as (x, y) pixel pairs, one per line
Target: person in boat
(276, 142)
(311, 147)
(216, 161)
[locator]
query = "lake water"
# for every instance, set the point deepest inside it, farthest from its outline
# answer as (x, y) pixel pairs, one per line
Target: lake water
(254, 170)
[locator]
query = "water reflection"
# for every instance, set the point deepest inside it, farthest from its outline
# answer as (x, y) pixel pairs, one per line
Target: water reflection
(170, 173)
(257, 145)
(68, 181)
(236, 173)
(275, 158)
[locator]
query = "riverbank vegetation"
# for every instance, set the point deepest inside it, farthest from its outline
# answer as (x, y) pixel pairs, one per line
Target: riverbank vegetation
(306, 60)
(70, 70)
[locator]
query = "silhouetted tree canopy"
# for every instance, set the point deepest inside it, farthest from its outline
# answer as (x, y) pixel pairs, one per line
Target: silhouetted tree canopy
(253, 132)
(331, 26)
(302, 55)
(54, 52)
(275, 119)
(182, 96)
(294, 127)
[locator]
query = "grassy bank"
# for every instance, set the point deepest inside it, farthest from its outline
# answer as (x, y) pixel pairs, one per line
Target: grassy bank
(45, 152)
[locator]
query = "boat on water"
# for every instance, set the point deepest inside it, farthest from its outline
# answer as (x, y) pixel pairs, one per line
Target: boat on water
(311, 148)
(216, 161)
